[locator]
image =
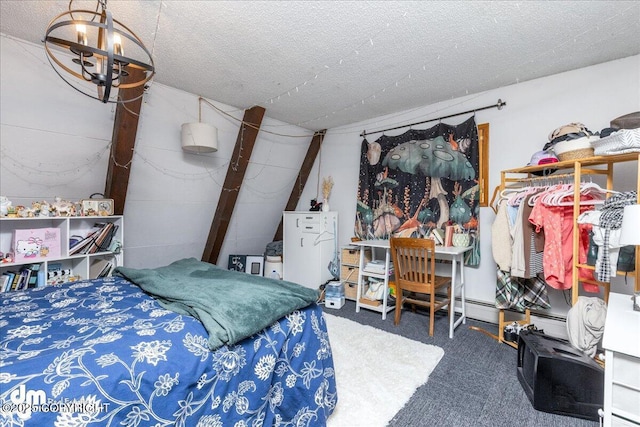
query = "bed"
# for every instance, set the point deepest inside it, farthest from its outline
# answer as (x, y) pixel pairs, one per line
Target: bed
(105, 353)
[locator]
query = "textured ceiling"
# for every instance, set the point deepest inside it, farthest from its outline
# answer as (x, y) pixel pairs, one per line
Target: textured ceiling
(322, 64)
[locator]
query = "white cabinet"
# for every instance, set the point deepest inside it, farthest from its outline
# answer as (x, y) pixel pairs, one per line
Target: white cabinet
(621, 342)
(309, 246)
(82, 266)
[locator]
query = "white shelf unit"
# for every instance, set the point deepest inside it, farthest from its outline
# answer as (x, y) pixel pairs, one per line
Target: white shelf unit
(621, 342)
(379, 306)
(68, 226)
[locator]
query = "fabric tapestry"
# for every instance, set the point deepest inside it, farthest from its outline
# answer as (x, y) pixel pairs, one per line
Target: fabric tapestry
(419, 181)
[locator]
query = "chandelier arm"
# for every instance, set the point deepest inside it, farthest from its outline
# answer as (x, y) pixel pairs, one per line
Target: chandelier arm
(85, 70)
(71, 84)
(105, 34)
(60, 64)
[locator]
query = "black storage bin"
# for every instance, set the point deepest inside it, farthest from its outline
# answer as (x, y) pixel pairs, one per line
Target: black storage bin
(558, 378)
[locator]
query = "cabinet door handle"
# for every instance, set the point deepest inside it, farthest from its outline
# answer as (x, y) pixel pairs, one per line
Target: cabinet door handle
(301, 239)
(297, 222)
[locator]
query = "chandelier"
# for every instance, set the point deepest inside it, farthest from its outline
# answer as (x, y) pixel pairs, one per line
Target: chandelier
(97, 44)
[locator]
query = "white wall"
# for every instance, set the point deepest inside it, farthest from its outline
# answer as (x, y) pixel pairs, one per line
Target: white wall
(54, 141)
(593, 96)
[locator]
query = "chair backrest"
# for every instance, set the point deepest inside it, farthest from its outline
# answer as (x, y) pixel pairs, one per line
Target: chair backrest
(414, 263)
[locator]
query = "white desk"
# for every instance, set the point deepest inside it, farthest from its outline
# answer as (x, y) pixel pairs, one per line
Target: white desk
(450, 253)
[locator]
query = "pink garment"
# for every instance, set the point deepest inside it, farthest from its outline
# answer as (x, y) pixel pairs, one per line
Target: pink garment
(557, 224)
(583, 273)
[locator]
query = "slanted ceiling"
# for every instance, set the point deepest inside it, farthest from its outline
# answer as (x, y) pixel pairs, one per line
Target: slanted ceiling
(323, 64)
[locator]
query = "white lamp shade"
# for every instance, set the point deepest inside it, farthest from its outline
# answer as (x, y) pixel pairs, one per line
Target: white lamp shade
(199, 138)
(630, 229)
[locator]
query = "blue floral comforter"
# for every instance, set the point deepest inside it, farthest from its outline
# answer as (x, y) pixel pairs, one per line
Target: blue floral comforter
(103, 353)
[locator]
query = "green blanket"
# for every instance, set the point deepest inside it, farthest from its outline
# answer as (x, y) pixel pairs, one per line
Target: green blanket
(231, 305)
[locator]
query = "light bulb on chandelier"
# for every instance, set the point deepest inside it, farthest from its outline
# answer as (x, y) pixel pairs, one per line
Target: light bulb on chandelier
(98, 53)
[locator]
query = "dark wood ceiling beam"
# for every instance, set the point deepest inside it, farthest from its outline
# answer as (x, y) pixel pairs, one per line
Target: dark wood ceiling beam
(123, 142)
(247, 135)
(303, 175)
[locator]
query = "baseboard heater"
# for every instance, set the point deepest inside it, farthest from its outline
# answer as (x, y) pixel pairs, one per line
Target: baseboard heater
(553, 324)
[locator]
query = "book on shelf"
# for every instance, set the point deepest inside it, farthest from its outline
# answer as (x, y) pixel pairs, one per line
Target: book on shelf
(16, 280)
(35, 278)
(100, 268)
(97, 239)
(448, 235)
(437, 235)
(28, 277)
(79, 247)
(7, 280)
(25, 276)
(104, 238)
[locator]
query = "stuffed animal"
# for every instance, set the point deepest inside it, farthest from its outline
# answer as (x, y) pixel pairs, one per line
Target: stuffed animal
(5, 203)
(315, 206)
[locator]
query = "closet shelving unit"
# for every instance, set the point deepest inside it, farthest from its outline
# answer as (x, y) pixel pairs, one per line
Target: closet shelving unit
(577, 170)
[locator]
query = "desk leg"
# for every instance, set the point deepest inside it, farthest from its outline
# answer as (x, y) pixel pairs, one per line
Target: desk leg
(360, 279)
(386, 283)
(463, 315)
(452, 303)
(462, 290)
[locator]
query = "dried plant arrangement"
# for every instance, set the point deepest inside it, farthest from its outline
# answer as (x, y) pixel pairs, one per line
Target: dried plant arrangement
(327, 185)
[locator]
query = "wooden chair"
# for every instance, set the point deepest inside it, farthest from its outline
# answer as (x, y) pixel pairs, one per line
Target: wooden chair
(414, 266)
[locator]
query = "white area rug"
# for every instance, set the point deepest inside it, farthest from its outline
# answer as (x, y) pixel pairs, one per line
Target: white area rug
(376, 372)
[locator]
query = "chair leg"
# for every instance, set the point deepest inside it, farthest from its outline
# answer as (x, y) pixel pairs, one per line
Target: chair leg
(432, 312)
(396, 320)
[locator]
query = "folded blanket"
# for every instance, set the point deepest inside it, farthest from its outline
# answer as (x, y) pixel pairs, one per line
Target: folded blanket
(231, 305)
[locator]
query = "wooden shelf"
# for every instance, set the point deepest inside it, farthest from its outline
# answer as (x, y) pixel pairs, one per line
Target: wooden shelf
(570, 164)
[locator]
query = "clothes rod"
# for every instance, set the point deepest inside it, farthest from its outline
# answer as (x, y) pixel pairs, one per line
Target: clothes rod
(498, 105)
(531, 179)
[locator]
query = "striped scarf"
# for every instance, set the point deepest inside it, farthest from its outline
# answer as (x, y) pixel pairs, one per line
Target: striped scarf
(611, 219)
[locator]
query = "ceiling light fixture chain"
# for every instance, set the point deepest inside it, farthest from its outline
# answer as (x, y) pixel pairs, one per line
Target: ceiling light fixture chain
(98, 52)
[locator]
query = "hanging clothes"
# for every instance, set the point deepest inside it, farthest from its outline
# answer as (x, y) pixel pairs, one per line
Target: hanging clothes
(501, 238)
(552, 214)
(527, 260)
(610, 223)
(517, 293)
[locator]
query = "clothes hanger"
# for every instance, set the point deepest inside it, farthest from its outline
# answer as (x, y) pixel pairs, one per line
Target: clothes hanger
(517, 198)
(593, 193)
(591, 189)
(319, 236)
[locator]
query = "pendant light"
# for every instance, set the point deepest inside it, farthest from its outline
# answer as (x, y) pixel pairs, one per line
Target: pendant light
(199, 137)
